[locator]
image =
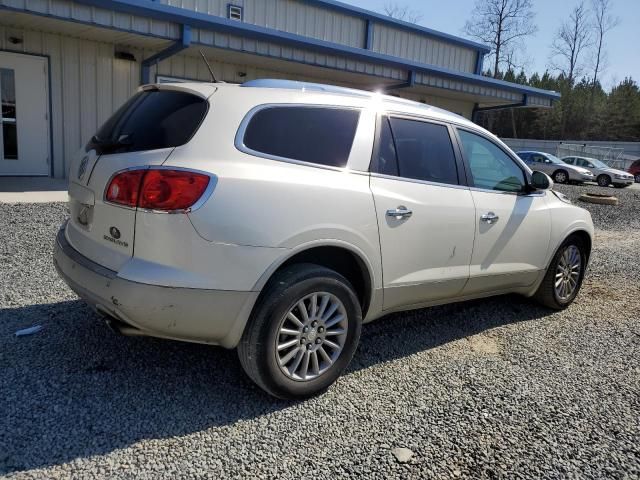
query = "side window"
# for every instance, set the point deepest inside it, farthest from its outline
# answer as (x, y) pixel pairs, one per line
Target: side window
(318, 135)
(423, 151)
(569, 160)
(385, 160)
(491, 168)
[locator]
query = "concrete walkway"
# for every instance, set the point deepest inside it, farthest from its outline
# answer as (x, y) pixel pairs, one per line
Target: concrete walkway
(32, 190)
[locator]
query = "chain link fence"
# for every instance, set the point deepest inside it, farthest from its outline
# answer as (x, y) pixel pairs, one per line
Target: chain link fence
(610, 155)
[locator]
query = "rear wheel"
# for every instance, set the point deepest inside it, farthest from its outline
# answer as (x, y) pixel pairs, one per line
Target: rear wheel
(560, 176)
(563, 279)
(604, 180)
(303, 333)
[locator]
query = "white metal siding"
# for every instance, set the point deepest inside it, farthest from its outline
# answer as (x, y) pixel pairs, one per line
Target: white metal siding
(289, 16)
(100, 17)
(245, 45)
(87, 85)
(422, 48)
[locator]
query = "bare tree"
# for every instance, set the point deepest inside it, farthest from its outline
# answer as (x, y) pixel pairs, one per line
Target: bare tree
(603, 23)
(572, 39)
(402, 12)
(502, 24)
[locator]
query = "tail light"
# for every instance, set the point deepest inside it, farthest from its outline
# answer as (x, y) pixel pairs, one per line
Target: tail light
(157, 189)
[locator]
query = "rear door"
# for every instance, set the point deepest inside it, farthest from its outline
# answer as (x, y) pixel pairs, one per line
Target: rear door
(425, 213)
(142, 133)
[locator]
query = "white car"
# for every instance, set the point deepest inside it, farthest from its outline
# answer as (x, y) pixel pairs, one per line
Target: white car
(278, 217)
(603, 173)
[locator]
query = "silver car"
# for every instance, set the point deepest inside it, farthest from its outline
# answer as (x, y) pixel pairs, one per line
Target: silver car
(604, 174)
(555, 168)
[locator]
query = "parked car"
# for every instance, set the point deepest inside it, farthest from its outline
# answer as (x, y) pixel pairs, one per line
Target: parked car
(559, 171)
(634, 170)
(604, 174)
(278, 217)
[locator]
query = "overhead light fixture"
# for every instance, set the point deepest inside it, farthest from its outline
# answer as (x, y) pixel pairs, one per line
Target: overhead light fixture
(130, 57)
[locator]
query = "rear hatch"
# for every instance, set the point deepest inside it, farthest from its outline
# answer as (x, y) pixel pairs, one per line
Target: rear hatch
(142, 133)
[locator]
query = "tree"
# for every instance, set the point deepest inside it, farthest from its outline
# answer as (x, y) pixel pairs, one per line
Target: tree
(502, 24)
(402, 12)
(603, 23)
(572, 39)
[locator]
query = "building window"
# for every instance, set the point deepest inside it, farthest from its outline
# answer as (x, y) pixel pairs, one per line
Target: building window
(8, 119)
(234, 12)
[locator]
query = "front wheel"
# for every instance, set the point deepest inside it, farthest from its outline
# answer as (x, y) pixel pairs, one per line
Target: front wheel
(303, 332)
(604, 180)
(561, 176)
(563, 279)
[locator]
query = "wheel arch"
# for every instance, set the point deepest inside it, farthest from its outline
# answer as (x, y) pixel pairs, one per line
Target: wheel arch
(341, 257)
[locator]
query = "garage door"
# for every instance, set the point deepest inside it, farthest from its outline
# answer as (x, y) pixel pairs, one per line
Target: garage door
(24, 136)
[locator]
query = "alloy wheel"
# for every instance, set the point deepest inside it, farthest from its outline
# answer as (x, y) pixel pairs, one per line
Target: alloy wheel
(568, 272)
(311, 336)
(560, 177)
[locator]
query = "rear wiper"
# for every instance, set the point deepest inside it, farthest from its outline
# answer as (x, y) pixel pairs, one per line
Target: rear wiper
(109, 144)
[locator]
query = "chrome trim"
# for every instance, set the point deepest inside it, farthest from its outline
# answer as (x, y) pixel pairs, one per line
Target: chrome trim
(399, 213)
(239, 139)
(213, 181)
(415, 180)
(490, 218)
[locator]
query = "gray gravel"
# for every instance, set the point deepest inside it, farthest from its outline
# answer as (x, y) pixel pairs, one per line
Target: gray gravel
(498, 388)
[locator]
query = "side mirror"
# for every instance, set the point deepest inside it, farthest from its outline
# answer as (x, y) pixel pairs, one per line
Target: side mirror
(541, 181)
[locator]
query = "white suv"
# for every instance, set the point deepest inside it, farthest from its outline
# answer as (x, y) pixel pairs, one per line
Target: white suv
(277, 217)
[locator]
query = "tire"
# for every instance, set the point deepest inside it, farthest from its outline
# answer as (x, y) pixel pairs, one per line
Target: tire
(261, 359)
(547, 293)
(561, 176)
(637, 177)
(604, 180)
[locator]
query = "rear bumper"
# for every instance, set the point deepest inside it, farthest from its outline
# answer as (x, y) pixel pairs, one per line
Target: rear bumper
(196, 315)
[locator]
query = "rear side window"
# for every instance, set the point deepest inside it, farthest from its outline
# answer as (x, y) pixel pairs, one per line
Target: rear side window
(417, 150)
(317, 135)
(151, 120)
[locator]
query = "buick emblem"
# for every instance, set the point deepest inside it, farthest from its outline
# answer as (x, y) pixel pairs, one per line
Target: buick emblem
(114, 232)
(83, 167)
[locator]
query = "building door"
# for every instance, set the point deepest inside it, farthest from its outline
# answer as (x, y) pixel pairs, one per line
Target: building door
(24, 136)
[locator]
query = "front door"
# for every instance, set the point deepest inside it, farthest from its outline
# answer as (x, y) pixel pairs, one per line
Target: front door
(513, 227)
(24, 136)
(425, 213)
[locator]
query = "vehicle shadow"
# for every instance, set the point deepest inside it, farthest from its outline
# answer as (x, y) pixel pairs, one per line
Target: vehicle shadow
(75, 389)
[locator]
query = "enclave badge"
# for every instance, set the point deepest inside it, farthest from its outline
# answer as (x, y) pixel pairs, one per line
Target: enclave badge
(115, 233)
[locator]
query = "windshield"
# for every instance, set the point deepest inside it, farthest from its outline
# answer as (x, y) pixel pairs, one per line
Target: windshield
(554, 159)
(597, 163)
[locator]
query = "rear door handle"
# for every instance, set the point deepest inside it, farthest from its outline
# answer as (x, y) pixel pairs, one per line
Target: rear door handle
(490, 218)
(399, 213)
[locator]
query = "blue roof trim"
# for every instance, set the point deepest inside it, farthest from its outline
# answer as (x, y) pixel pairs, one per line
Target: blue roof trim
(385, 19)
(154, 10)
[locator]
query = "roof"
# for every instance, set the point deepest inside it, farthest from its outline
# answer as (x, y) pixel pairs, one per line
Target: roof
(360, 98)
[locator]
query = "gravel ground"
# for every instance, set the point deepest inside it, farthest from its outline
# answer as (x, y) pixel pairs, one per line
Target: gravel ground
(498, 388)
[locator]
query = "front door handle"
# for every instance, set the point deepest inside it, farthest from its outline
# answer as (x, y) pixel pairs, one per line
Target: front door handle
(490, 218)
(399, 213)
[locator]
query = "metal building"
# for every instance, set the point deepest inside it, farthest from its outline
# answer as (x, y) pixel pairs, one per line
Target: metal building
(66, 65)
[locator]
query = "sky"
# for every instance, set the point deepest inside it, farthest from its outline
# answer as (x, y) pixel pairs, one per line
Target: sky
(622, 43)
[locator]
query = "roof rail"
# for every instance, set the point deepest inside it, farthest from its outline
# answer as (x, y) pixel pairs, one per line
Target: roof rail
(304, 86)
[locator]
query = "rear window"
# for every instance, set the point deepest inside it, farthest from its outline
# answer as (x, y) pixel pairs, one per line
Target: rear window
(317, 135)
(151, 120)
